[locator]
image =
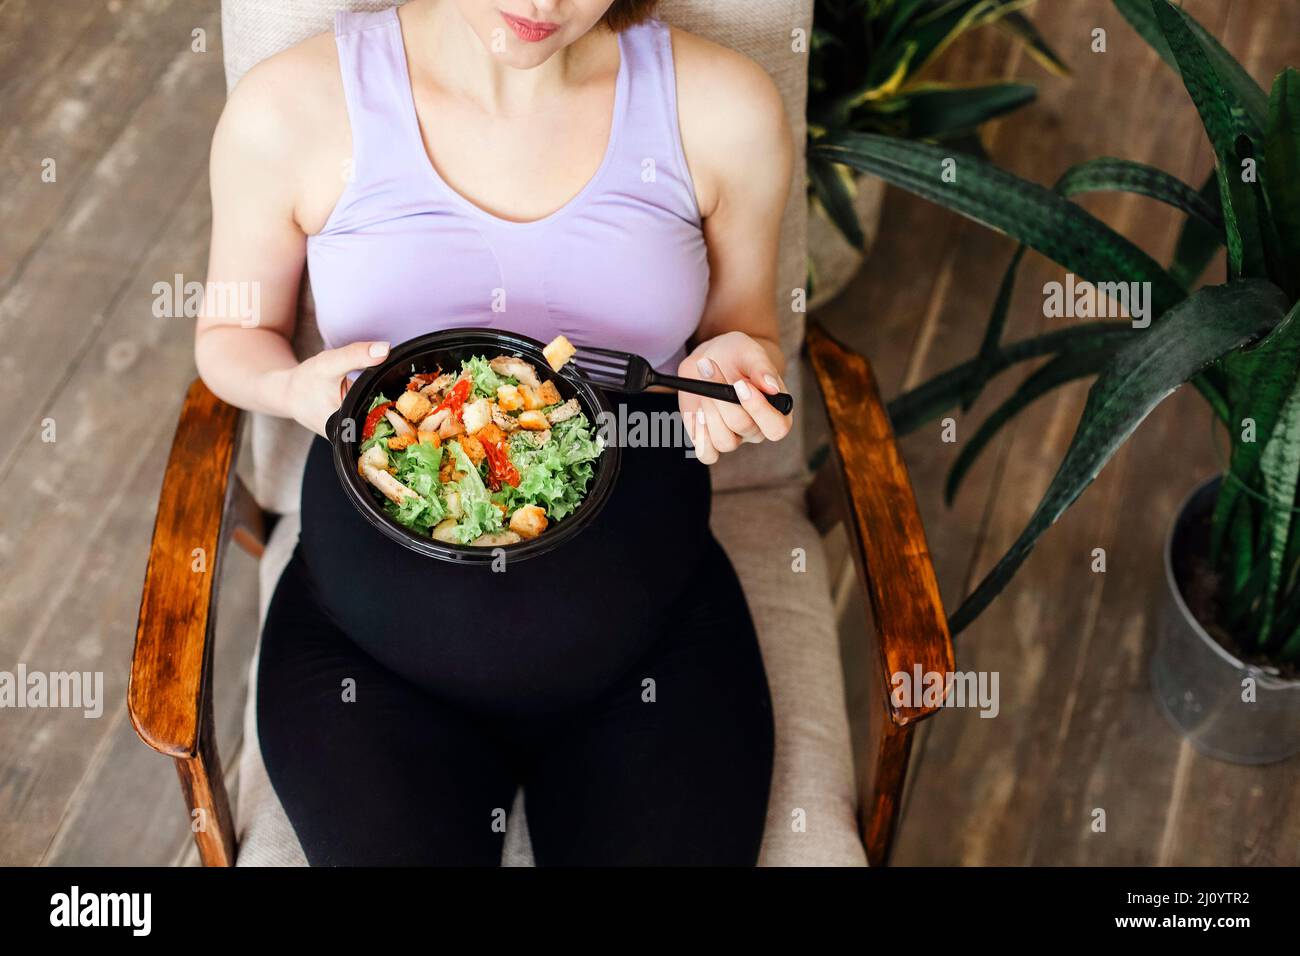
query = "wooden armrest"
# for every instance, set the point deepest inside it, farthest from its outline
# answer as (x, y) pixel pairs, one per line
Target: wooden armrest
(171, 666)
(890, 550)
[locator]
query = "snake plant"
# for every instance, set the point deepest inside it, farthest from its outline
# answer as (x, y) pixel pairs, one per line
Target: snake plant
(866, 57)
(1237, 342)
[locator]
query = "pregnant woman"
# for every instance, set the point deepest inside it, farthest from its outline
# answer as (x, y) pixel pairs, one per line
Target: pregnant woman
(549, 167)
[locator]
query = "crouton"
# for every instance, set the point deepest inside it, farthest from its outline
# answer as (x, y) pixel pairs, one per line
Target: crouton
(475, 415)
(448, 471)
(445, 531)
(509, 399)
(414, 406)
(473, 449)
(398, 442)
(559, 351)
(530, 398)
(528, 521)
(548, 394)
(491, 433)
(533, 421)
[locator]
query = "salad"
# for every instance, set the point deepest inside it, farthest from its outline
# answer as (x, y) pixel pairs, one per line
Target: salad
(487, 455)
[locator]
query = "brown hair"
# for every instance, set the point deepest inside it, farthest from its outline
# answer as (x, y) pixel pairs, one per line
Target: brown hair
(628, 13)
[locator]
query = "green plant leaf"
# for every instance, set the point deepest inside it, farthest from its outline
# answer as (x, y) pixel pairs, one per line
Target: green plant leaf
(1198, 241)
(1142, 18)
(1225, 120)
(1280, 465)
(1107, 174)
(836, 197)
(1281, 172)
(1023, 29)
(1258, 382)
(927, 401)
(1143, 372)
(1024, 210)
(1097, 175)
(1066, 367)
(935, 111)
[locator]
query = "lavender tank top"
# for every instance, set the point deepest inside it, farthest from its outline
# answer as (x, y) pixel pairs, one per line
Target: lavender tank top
(620, 265)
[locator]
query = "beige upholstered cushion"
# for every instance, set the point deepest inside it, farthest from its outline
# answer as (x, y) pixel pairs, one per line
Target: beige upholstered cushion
(813, 767)
(759, 528)
(762, 29)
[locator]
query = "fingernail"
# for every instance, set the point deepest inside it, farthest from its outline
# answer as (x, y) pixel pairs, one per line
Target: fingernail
(378, 349)
(706, 367)
(699, 417)
(743, 391)
(772, 383)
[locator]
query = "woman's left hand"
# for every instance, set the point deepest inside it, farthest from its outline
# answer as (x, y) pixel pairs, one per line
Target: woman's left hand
(715, 427)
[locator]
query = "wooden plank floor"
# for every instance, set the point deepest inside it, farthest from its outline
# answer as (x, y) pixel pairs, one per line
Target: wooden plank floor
(1078, 728)
(113, 94)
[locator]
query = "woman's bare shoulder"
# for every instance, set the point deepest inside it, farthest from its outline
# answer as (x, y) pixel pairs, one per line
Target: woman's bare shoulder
(290, 93)
(727, 106)
(285, 128)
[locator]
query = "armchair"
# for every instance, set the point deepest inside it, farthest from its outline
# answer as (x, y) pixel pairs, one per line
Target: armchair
(759, 519)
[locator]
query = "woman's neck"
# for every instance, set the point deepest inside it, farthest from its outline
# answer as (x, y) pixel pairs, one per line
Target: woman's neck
(444, 50)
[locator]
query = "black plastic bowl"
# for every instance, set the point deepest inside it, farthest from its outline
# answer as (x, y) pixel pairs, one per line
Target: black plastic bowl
(446, 350)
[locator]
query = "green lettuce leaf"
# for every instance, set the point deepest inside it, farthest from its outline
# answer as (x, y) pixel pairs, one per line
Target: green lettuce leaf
(486, 382)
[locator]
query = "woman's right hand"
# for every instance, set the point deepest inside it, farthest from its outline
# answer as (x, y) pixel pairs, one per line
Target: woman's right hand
(314, 388)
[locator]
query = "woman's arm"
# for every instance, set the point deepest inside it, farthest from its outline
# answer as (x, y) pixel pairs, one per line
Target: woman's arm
(264, 175)
(738, 145)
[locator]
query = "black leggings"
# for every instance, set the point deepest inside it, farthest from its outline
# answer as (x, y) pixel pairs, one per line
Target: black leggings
(401, 700)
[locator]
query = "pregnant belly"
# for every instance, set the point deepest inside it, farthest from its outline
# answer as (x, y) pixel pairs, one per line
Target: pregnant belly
(537, 635)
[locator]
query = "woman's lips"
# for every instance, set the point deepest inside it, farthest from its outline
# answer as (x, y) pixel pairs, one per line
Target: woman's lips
(530, 31)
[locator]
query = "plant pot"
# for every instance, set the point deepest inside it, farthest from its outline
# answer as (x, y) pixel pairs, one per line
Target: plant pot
(1200, 684)
(832, 261)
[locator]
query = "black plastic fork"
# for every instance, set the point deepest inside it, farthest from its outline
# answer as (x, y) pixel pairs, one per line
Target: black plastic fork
(625, 372)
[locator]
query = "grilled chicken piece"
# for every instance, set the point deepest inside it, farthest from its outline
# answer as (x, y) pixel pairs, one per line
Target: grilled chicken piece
(375, 457)
(450, 428)
(392, 489)
(433, 391)
(564, 412)
(529, 521)
(503, 421)
(431, 423)
(515, 368)
(496, 539)
(400, 424)
(414, 406)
